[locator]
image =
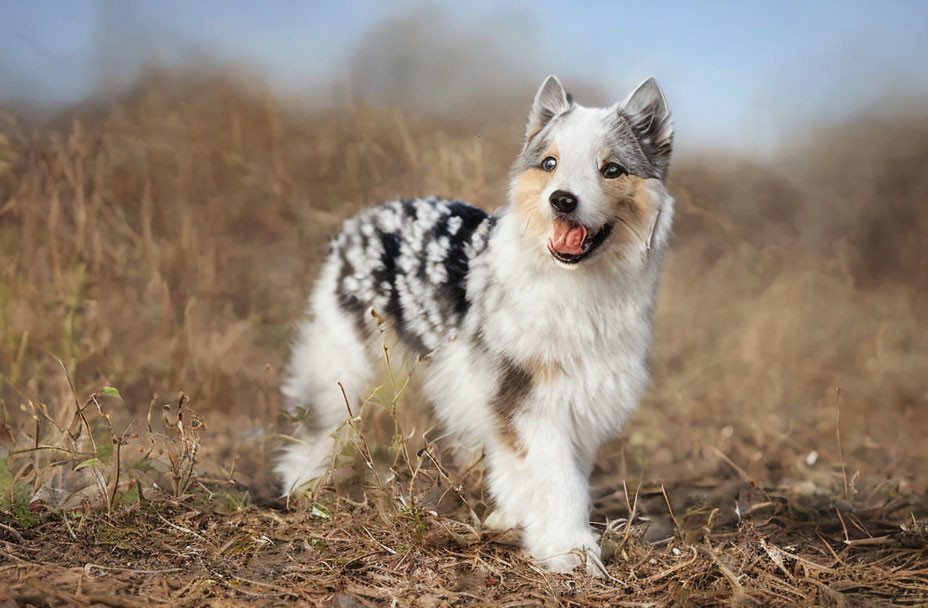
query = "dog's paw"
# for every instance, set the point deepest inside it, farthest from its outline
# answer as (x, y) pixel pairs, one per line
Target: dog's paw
(568, 562)
(564, 563)
(562, 557)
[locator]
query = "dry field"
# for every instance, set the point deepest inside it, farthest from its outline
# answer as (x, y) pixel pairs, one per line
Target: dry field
(155, 251)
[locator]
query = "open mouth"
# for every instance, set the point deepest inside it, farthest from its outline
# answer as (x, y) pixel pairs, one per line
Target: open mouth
(572, 243)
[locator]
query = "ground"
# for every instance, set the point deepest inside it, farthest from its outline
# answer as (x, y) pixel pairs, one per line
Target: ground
(164, 241)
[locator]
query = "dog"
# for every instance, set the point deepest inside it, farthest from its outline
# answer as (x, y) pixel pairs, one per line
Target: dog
(537, 320)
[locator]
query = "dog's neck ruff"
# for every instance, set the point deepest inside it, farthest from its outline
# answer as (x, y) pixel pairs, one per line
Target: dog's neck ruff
(527, 308)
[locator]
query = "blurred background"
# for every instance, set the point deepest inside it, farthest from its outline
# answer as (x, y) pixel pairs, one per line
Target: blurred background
(739, 76)
(170, 173)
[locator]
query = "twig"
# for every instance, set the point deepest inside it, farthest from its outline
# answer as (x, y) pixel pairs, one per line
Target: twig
(12, 531)
(89, 567)
(838, 560)
(741, 472)
(838, 437)
(736, 585)
(676, 522)
(633, 511)
(77, 404)
(183, 529)
(847, 539)
(383, 546)
(112, 497)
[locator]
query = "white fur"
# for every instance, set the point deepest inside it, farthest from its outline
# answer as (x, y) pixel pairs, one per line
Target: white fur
(588, 325)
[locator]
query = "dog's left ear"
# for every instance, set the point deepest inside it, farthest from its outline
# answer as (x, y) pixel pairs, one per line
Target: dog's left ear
(550, 100)
(647, 112)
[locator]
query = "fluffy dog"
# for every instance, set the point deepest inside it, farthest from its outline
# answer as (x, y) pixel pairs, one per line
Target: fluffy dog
(537, 319)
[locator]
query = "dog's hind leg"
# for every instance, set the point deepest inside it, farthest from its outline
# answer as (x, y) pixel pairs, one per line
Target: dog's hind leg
(328, 351)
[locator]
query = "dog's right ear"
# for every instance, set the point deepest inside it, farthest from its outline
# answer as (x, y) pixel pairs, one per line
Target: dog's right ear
(647, 113)
(550, 100)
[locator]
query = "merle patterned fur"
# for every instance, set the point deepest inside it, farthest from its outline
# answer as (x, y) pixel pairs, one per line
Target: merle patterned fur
(408, 261)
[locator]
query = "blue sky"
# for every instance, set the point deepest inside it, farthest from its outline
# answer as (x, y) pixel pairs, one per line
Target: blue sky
(736, 73)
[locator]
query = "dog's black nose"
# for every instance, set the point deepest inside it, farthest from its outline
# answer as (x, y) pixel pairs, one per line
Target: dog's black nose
(563, 201)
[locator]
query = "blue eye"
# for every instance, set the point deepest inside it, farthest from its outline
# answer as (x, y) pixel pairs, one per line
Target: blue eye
(548, 163)
(613, 170)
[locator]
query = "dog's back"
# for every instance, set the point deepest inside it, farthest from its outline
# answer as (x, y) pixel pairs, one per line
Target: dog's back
(407, 261)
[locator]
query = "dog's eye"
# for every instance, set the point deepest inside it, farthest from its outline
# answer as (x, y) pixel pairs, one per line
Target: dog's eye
(548, 163)
(613, 170)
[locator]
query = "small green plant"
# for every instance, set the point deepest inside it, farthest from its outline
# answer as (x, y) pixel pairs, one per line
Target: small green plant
(15, 497)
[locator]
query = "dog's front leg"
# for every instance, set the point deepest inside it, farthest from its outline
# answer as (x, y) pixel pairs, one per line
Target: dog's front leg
(543, 484)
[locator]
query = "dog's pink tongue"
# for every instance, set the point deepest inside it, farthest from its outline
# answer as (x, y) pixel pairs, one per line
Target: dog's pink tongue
(567, 239)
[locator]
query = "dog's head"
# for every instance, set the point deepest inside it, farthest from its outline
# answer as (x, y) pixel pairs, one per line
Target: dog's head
(589, 182)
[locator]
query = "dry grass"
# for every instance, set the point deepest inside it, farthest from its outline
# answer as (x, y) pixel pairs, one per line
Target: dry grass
(165, 241)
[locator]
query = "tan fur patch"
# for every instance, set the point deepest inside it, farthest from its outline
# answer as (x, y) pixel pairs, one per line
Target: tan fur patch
(630, 198)
(515, 386)
(531, 134)
(528, 191)
(543, 373)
